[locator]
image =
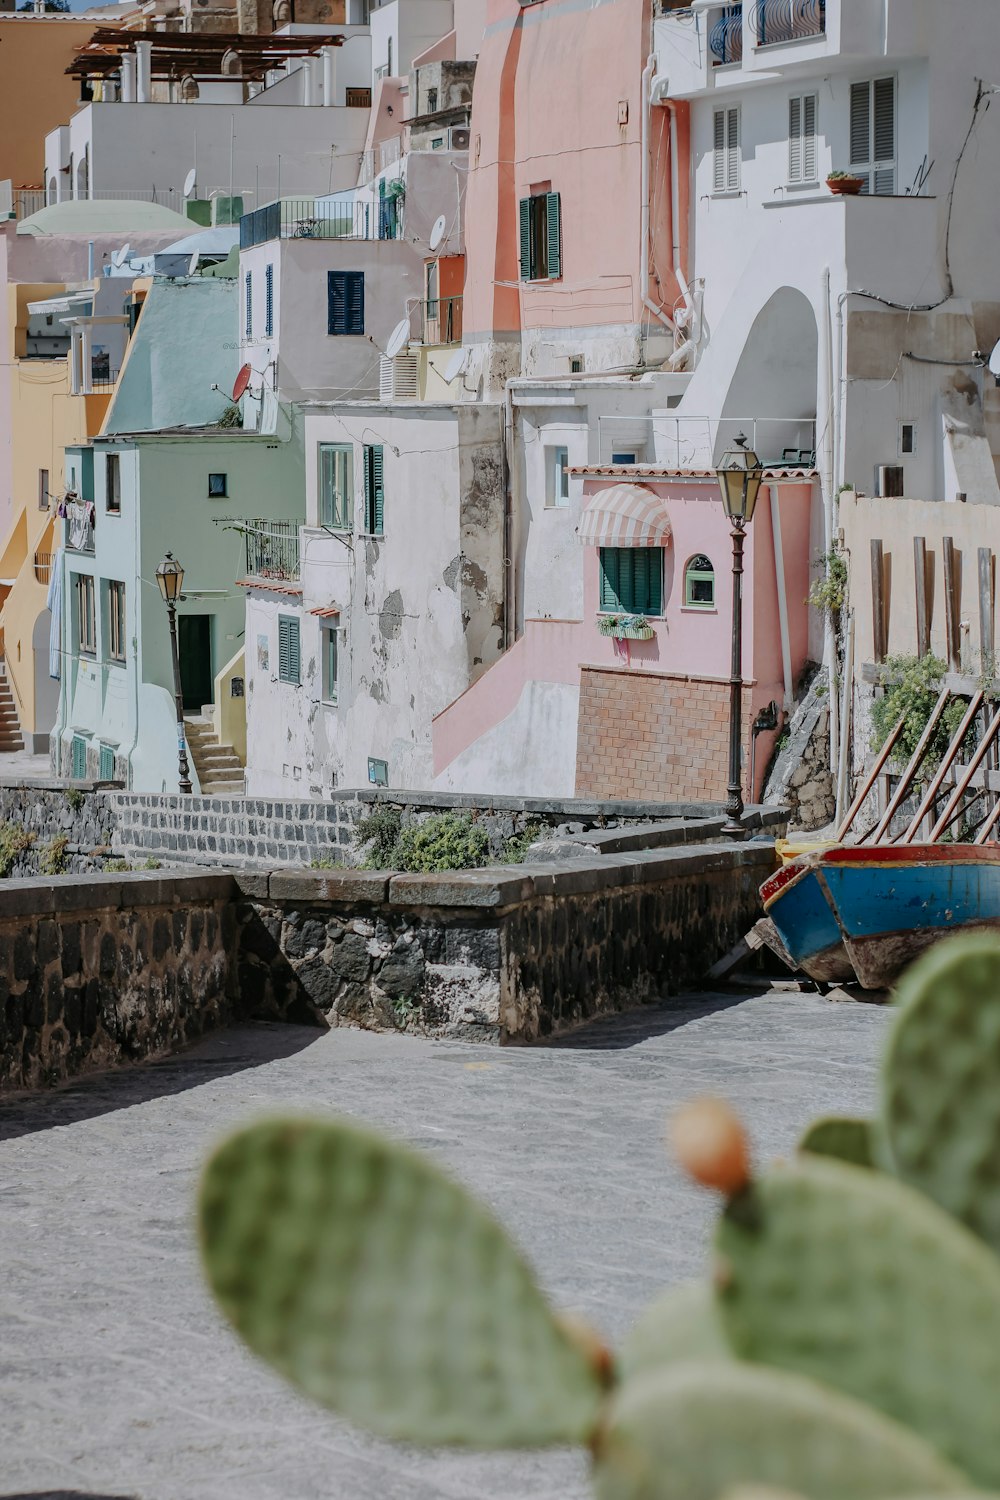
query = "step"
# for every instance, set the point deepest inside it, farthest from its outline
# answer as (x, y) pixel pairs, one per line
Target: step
(218, 754)
(228, 774)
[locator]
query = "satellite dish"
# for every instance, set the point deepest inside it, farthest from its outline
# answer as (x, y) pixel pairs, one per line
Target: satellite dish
(456, 365)
(399, 336)
(190, 181)
(241, 382)
(119, 257)
(437, 232)
(193, 266)
(995, 362)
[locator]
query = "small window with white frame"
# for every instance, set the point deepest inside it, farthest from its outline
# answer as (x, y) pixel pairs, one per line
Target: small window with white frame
(699, 583)
(331, 663)
(557, 477)
(728, 151)
(907, 439)
(803, 114)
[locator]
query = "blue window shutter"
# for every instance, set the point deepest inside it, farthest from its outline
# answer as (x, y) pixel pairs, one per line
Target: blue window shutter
(79, 758)
(289, 664)
(525, 224)
(107, 770)
(366, 468)
(355, 301)
(249, 292)
(377, 491)
(269, 301)
(553, 233)
(345, 302)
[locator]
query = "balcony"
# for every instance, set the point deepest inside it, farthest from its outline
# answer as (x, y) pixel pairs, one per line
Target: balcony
(725, 40)
(309, 219)
(273, 550)
(442, 321)
(777, 21)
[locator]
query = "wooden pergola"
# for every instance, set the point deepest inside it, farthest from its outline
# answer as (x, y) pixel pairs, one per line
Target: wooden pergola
(179, 54)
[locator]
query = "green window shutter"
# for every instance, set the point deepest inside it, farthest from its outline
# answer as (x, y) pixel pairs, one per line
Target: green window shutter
(631, 580)
(553, 233)
(525, 223)
(107, 770)
(378, 494)
(366, 471)
(289, 667)
(640, 581)
(610, 577)
(79, 758)
(655, 596)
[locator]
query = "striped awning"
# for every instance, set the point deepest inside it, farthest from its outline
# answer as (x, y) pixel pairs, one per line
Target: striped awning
(624, 515)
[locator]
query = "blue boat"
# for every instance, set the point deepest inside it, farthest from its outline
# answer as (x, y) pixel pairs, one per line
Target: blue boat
(852, 911)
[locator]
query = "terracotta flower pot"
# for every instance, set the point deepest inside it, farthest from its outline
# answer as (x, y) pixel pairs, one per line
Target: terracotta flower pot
(845, 187)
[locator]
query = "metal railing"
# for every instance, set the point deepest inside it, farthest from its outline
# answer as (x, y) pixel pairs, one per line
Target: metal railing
(43, 566)
(442, 321)
(380, 158)
(169, 197)
(307, 219)
(725, 40)
(697, 443)
(273, 550)
(776, 21)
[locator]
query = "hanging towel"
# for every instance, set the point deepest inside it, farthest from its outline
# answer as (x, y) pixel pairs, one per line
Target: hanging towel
(54, 602)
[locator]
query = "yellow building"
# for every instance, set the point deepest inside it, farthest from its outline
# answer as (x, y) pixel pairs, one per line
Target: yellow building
(45, 417)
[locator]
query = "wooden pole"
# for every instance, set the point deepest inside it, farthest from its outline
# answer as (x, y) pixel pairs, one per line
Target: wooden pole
(951, 602)
(878, 600)
(987, 634)
(920, 581)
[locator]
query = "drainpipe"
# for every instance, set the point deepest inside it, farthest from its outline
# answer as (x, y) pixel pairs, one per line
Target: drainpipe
(824, 415)
(779, 578)
(647, 78)
(144, 71)
(691, 343)
(509, 581)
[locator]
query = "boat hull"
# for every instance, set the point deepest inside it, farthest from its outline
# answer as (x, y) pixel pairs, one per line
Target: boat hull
(797, 904)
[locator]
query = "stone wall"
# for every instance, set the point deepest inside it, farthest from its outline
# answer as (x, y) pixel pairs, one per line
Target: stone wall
(801, 780)
(108, 971)
(494, 955)
(68, 830)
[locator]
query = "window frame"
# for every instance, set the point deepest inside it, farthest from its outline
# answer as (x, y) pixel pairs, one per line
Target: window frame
(346, 451)
(799, 141)
(727, 153)
(86, 614)
(112, 484)
(269, 301)
(218, 494)
(609, 585)
(557, 476)
(540, 236)
(330, 658)
(869, 170)
(43, 489)
(340, 284)
(248, 310)
(117, 641)
(291, 626)
(699, 575)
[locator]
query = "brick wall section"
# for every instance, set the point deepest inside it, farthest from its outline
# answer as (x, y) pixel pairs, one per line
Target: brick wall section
(648, 735)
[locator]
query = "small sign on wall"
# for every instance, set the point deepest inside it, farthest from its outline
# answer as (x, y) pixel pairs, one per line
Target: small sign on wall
(378, 772)
(236, 687)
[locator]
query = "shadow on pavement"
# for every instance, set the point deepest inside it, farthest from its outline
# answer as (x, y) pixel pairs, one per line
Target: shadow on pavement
(62, 1495)
(217, 1056)
(633, 1027)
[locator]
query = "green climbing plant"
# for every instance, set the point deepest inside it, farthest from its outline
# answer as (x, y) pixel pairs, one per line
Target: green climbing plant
(828, 592)
(912, 687)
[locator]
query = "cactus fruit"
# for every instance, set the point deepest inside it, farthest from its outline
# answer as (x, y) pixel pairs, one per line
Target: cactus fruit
(380, 1288)
(710, 1143)
(844, 1139)
(854, 1279)
(683, 1323)
(940, 1094)
(693, 1432)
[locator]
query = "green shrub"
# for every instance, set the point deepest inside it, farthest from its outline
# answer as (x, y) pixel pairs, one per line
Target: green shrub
(116, 866)
(380, 832)
(14, 841)
(53, 857)
(517, 846)
(912, 689)
(828, 593)
(446, 841)
(74, 798)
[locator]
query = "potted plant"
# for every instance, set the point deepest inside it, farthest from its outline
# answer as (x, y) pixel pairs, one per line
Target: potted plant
(626, 627)
(845, 184)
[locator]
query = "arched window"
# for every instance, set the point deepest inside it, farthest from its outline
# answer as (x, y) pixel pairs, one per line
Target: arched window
(699, 583)
(189, 89)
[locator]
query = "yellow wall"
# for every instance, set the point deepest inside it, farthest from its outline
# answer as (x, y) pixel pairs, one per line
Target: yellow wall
(35, 93)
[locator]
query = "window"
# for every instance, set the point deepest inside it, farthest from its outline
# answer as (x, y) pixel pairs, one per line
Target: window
(873, 135)
(374, 494)
(43, 489)
(907, 439)
(541, 237)
(576, 364)
(86, 622)
(699, 583)
(289, 664)
(106, 771)
(116, 621)
(79, 758)
(557, 480)
(624, 458)
(218, 486)
(432, 101)
(728, 154)
(112, 484)
(345, 302)
(631, 580)
(269, 301)
(802, 114)
(331, 653)
(336, 486)
(248, 283)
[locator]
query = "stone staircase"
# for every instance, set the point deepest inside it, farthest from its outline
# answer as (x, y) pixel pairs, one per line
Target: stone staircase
(11, 738)
(220, 771)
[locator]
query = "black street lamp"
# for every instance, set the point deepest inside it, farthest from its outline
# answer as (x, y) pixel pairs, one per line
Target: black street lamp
(170, 579)
(739, 475)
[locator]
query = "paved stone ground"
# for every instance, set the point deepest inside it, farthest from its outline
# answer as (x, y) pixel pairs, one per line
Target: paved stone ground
(117, 1378)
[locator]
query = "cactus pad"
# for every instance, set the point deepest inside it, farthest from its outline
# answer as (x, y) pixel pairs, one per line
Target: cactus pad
(694, 1432)
(847, 1140)
(941, 1081)
(854, 1279)
(380, 1288)
(682, 1324)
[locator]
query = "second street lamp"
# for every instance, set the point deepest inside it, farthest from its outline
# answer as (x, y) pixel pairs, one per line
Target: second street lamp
(170, 581)
(739, 475)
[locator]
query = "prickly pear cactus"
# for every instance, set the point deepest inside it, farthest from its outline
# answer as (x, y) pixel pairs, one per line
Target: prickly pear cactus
(694, 1431)
(941, 1081)
(380, 1288)
(683, 1323)
(842, 1138)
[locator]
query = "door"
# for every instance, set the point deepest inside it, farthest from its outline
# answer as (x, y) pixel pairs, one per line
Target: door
(194, 647)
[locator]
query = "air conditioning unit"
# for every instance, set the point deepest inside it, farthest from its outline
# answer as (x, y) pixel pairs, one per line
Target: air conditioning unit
(397, 378)
(458, 138)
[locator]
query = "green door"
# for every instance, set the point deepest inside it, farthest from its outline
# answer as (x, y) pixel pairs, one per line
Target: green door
(194, 646)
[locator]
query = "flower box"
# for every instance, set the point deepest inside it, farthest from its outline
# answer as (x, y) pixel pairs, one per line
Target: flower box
(626, 627)
(845, 186)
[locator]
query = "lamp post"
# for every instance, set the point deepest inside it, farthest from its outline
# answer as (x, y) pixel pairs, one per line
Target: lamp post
(739, 476)
(170, 580)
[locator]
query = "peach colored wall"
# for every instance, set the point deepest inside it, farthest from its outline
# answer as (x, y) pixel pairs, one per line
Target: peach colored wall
(35, 93)
(550, 84)
(688, 642)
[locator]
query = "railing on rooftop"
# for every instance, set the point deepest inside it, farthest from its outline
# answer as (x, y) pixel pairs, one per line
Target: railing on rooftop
(776, 21)
(380, 158)
(698, 442)
(167, 197)
(307, 219)
(273, 550)
(442, 321)
(725, 40)
(43, 566)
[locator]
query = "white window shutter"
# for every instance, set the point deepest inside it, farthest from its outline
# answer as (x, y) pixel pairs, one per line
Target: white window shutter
(795, 140)
(884, 144)
(732, 150)
(861, 130)
(720, 150)
(810, 104)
